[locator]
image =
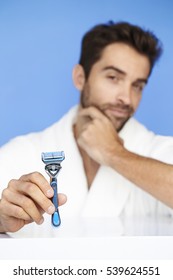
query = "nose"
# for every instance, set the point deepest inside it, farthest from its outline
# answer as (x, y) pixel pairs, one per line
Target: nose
(124, 95)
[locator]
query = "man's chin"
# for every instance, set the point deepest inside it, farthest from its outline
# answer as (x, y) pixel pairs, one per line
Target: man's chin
(118, 123)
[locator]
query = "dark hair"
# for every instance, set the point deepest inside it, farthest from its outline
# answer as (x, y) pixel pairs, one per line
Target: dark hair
(100, 36)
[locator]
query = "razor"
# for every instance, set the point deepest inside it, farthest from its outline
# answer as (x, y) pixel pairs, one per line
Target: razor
(52, 162)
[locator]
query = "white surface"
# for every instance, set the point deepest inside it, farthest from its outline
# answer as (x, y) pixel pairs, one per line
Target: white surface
(87, 248)
(94, 239)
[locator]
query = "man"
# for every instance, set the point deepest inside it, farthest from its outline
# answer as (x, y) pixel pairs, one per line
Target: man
(114, 166)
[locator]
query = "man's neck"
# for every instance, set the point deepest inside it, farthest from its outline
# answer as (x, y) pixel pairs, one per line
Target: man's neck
(90, 166)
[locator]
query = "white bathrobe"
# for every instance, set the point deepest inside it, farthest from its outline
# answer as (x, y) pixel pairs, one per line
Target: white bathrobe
(110, 194)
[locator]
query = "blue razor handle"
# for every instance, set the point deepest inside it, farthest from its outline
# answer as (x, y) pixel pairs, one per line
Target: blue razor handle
(56, 221)
(52, 162)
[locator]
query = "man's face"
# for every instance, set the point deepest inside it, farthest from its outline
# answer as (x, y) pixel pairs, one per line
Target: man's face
(115, 83)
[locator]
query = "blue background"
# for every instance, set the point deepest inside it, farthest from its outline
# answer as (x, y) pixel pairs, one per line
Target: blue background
(40, 43)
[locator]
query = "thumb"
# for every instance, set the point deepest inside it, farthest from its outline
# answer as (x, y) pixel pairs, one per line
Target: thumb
(62, 198)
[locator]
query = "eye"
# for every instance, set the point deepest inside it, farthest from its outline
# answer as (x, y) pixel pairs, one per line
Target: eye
(112, 77)
(138, 87)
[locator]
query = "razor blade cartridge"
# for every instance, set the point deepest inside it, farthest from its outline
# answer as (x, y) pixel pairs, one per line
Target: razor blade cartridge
(53, 157)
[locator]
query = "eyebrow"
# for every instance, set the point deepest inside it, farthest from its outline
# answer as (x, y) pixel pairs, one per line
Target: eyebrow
(141, 80)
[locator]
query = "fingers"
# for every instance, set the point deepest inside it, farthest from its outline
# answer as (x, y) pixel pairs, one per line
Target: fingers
(87, 117)
(21, 206)
(28, 198)
(98, 138)
(62, 198)
(8, 209)
(32, 191)
(12, 217)
(92, 113)
(39, 180)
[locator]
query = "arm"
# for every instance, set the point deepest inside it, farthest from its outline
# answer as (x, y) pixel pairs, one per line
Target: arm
(100, 140)
(151, 175)
(24, 201)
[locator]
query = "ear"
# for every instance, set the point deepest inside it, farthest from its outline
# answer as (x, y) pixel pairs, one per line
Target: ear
(78, 77)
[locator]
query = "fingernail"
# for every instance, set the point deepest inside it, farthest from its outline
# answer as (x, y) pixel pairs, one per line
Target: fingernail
(51, 209)
(49, 192)
(41, 221)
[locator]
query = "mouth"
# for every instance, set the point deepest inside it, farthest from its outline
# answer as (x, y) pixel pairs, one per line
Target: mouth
(118, 112)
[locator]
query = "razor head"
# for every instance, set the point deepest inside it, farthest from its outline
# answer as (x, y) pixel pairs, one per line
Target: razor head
(53, 157)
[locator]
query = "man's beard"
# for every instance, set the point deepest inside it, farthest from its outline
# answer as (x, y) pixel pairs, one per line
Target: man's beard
(118, 122)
